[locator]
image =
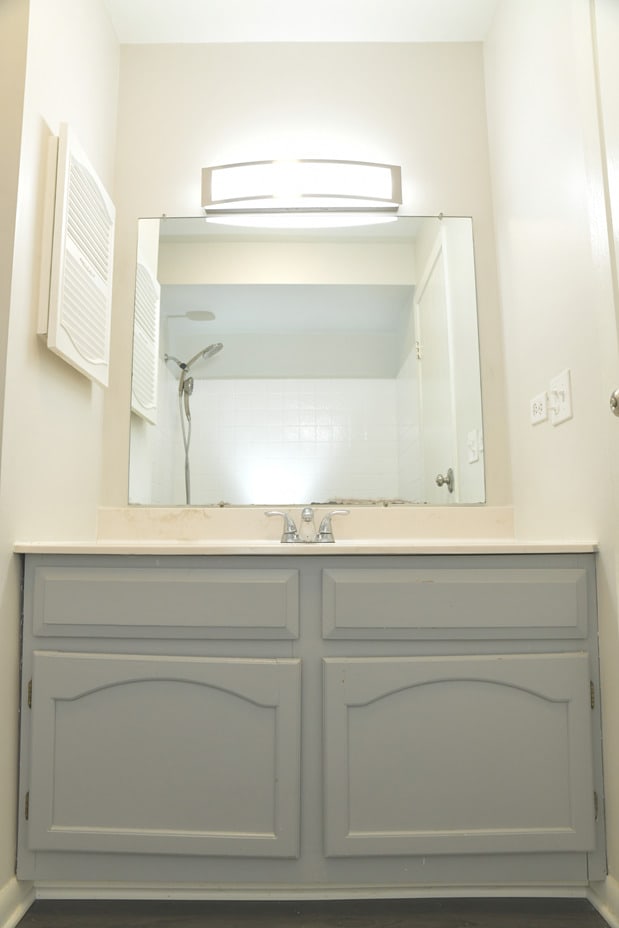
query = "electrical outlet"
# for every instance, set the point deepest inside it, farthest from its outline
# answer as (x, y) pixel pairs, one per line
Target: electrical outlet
(539, 408)
(560, 398)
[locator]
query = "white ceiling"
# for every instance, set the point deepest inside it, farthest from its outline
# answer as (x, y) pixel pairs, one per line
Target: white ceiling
(317, 308)
(163, 21)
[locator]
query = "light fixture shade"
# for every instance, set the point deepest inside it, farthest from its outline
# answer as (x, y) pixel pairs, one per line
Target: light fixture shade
(310, 184)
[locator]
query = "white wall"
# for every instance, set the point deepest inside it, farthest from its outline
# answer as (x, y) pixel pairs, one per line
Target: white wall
(52, 425)
(13, 39)
(52, 466)
(277, 441)
(557, 299)
(421, 106)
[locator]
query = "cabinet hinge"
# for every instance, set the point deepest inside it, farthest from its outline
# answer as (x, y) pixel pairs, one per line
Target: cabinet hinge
(27, 806)
(592, 693)
(418, 349)
(30, 694)
(595, 805)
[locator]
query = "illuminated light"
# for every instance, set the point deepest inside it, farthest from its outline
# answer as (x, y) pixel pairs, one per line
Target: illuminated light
(303, 185)
(300, 220)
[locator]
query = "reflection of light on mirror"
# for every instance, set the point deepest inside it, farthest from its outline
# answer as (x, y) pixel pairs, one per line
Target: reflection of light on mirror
(294, 220)
(264, 480)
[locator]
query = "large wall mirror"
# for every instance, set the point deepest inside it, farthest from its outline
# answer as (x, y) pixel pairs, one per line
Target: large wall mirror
(292, 367)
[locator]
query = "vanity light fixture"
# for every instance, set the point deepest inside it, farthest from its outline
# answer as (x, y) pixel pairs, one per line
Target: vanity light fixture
(304, 193)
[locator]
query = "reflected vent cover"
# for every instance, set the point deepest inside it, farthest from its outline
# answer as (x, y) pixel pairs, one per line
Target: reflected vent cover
(145, 343)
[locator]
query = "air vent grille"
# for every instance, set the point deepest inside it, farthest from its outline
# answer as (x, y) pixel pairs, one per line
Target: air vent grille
(80, 293)
(88, 220)
(84, 309)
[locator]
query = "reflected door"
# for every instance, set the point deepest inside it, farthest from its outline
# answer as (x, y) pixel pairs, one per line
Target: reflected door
(435, 383)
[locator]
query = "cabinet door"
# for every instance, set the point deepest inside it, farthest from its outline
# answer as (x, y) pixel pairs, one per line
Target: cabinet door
(458, 755)
(114, 599)
(165, 755)
(498, 598)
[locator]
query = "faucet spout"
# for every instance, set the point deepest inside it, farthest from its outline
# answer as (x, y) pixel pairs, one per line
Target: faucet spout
(307, 528)
(307, 533)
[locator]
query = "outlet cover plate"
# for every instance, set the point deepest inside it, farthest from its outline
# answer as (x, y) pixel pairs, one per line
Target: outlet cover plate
(539, 408)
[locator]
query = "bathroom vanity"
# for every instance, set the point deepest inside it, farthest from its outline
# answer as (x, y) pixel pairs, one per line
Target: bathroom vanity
(310, 720)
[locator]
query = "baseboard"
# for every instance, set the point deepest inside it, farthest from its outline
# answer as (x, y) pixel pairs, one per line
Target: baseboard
(15, 900)
(605, 897)
(181, 892)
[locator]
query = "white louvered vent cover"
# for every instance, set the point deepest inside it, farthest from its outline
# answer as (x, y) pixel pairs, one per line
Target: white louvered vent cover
(145, 343)
(80, 296)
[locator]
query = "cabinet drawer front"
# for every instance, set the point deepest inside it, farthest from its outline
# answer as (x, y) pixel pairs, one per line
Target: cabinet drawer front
(159, 602)
(465, 602)
(165, 755)
(458, 755)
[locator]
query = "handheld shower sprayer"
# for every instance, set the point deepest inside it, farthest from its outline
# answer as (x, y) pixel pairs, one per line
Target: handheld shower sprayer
(207, 352)
(185, 389)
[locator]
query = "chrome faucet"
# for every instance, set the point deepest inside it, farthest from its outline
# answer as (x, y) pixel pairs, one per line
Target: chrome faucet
(325, 532)
(290, 533)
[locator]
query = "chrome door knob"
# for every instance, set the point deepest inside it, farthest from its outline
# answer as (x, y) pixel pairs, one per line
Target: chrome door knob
(614, 402)
(446, 480)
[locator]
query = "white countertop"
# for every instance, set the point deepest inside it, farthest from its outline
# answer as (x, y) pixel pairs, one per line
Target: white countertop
(359, 547)
(248, 531)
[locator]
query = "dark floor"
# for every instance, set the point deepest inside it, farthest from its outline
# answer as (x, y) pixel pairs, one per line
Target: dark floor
(417, 913)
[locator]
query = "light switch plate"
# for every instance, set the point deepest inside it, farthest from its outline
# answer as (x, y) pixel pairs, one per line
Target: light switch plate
(472, 446)
(560, 398)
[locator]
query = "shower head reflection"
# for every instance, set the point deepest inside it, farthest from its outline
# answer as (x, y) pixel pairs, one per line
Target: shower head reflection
(207, 352)
(185, 389)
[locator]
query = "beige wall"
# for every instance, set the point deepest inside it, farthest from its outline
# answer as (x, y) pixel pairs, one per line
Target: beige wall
(52, 420)
(557, 297)
(13, 39)
(420, 106)
(51, 470)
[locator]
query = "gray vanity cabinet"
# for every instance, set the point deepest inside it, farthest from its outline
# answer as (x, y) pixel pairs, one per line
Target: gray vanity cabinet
(297, 721)
(465, 748)
(159, 754)
(458, 755)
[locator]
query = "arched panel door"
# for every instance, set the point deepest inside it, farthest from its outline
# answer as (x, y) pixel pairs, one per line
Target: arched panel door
(167, 755)
(452, 755)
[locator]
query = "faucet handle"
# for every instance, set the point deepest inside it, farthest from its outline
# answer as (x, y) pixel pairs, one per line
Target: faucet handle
(325, 532)
(289, 533)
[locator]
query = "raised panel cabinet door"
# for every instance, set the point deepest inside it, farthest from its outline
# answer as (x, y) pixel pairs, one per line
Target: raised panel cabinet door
(165, 755)
(453, 755)
(92, 596)
(464, 599)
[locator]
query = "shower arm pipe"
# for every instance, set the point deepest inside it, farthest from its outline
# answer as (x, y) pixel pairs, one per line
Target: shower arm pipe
(185, 367)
